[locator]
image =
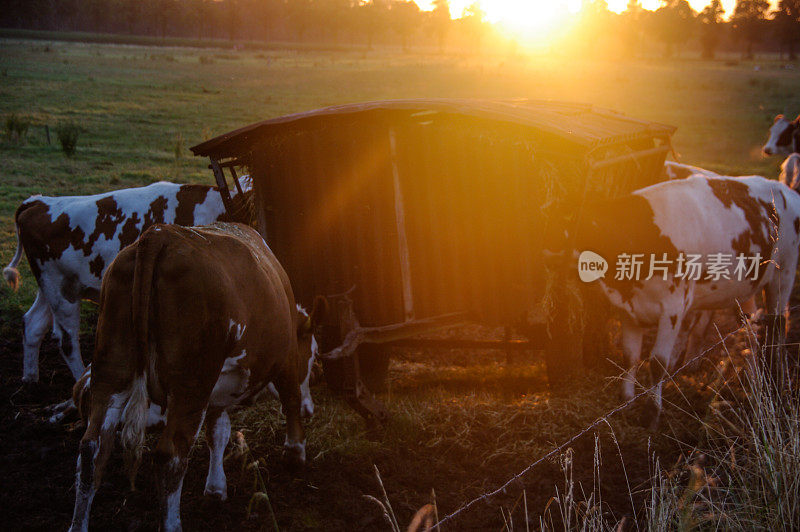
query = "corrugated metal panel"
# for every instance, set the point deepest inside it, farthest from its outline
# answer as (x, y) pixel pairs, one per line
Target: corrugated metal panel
(479, 199)
(331, 224)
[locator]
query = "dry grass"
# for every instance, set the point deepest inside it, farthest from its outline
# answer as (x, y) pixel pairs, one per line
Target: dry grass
(744, 474)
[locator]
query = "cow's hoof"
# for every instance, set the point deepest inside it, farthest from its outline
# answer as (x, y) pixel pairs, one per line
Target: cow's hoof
(650, 416)
(623, 396)
(307, 409)
(216, 493)
(295, 454)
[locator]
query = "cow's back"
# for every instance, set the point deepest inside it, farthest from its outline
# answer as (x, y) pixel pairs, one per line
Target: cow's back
(77, 237)
(702, 216)
(723, 214)
(216, 291)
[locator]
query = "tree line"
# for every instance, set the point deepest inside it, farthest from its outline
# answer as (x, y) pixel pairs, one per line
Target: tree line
(671, 29)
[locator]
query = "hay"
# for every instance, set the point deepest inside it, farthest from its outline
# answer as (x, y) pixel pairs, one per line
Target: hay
(564, 291)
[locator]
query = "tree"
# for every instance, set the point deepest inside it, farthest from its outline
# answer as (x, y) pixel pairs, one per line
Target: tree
(163, 15)
(372, 18)
(66, 14)
(473, 22)
(710, 20)
(405, 19)
(300, 13)
(787, 26)
(332, 16)
(439, 21)
(231, 18)
(593, 28)
(673, 23)
(748, 20)
(631, 27)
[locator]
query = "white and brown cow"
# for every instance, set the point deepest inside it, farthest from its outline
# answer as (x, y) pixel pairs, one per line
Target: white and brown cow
(784, 137)
(70, 241)
(790, 172)
(194, 320)
(673, 170)
(81, 391)
(702, 216)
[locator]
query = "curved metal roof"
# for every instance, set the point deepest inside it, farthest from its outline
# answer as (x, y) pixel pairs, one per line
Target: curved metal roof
(582, 124)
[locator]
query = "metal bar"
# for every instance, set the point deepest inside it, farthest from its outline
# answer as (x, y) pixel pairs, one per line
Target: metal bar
(219, 176)
(455, 343)
(262, 197)
(395, 331)
(230, 163)
(402, 239)
(236, 180)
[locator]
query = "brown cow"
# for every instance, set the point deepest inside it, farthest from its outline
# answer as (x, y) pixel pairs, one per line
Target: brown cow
(195, 320)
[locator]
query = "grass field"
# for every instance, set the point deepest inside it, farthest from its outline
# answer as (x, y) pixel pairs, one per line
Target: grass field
(460, 424)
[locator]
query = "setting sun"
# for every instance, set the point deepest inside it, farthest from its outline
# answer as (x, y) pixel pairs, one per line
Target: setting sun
(539, 19)
(533, 20)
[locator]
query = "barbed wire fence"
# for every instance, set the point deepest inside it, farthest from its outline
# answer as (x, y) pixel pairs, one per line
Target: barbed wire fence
(564, 445)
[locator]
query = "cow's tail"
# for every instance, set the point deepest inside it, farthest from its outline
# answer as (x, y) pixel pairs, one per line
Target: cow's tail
(10, 272)
(134, 417)
(134, 423)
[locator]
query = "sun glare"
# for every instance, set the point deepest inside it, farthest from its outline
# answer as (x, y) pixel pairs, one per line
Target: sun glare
(529, 18)
(538, 20)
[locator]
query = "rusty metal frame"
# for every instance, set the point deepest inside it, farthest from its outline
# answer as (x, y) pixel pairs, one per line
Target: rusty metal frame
(218, 169)
(222, 185)
(396, 332)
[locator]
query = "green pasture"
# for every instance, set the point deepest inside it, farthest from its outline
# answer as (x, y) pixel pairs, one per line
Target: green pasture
(142, 106)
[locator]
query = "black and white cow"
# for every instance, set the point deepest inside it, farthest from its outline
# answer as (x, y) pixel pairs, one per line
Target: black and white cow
(784, 137)
(751, 217)
(70, 241)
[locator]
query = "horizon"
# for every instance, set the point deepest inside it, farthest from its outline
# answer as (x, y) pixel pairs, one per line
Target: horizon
(495, 8)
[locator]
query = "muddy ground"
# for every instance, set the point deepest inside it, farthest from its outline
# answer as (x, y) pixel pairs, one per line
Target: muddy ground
(462, 423)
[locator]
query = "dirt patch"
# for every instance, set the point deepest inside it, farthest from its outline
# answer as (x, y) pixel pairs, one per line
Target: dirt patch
(462, 423)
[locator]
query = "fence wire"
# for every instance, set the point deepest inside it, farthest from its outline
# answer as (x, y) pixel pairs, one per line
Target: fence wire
(556, 450)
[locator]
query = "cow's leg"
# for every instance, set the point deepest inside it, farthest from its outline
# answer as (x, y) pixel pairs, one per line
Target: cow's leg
(218, 433)
(289, 391)
(95, 448)
(632, 348)
(36, 322)
(68, 320)
(669, 326)
(172, 455)
(695, 332)
(61, 411)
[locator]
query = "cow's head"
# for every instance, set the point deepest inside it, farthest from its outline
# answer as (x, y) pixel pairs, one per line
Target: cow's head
(784, 137)
(308, 350)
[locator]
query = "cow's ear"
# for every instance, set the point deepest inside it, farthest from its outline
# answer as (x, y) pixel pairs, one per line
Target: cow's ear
(318, 311)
